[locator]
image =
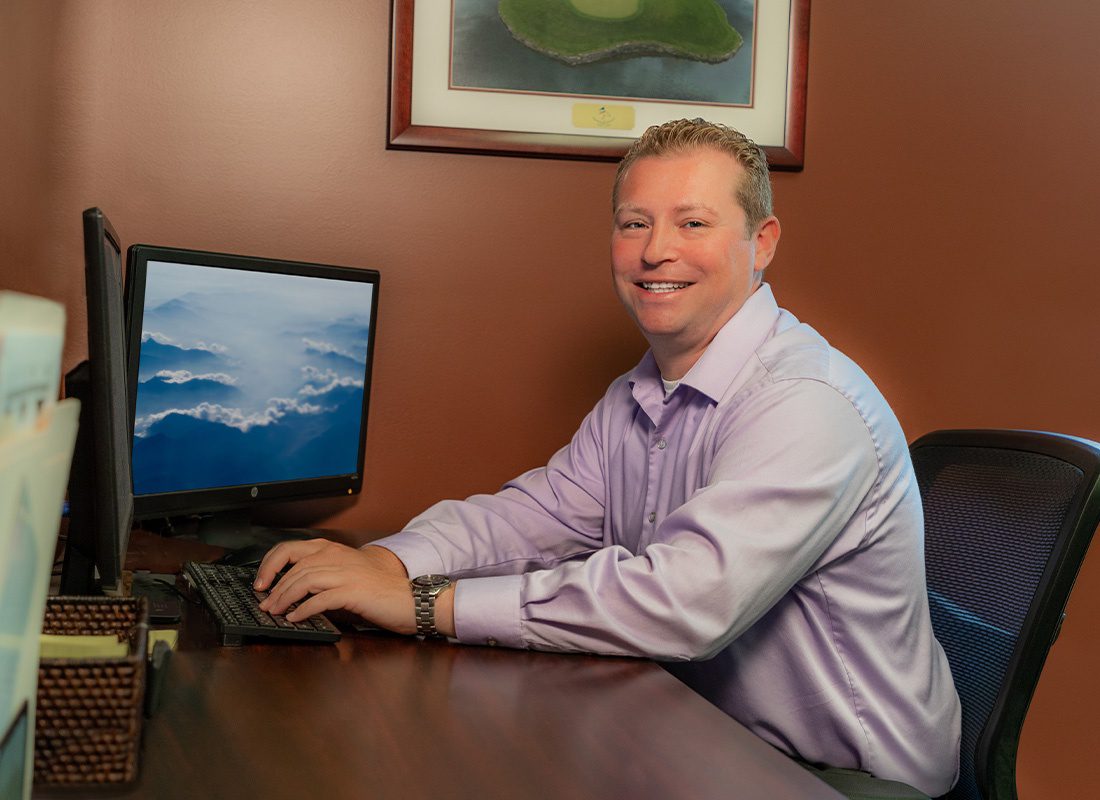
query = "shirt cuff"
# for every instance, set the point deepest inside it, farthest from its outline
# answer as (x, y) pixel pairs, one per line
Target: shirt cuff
(487, 611)
(417, 554)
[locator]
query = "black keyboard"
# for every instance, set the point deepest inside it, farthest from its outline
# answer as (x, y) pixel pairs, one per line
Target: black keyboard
(228, 592)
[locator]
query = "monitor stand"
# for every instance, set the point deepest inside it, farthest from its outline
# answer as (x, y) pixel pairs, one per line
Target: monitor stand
(246, 543)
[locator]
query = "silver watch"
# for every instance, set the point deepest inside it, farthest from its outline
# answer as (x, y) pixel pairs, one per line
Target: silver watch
(425, 589)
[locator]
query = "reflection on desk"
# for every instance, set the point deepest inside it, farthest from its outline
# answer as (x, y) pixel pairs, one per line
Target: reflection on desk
(384, 716)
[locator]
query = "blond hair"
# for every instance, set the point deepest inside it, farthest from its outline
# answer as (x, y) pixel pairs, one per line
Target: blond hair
(684, 135)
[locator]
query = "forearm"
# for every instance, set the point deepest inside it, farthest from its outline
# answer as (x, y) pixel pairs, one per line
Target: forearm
(385, 559)
(503, 534)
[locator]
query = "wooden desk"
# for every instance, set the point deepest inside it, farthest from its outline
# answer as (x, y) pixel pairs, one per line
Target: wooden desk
(381, 716)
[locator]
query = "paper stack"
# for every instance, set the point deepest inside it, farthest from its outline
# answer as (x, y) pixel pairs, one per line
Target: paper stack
(37, 434)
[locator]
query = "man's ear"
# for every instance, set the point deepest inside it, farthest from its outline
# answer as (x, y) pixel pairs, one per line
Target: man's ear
(766, 240)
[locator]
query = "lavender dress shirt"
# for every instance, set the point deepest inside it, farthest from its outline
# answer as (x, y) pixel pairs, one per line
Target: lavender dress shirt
(760, 528)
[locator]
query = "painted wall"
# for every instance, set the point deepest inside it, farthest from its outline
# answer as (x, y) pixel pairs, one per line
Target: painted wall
(941, 233)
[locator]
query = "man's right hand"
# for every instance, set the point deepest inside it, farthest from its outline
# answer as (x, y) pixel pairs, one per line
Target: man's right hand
(371, 582)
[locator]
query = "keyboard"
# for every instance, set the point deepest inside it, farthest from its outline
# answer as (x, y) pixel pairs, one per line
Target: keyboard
(228, 593)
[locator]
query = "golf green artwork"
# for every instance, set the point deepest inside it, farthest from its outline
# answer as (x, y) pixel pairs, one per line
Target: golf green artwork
(581, 79)
(587, 31)
(697, 51)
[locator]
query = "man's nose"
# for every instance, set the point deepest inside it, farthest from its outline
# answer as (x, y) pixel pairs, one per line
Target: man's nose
(661, 246)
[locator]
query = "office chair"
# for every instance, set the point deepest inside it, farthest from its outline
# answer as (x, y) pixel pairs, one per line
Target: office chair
(1008, 519)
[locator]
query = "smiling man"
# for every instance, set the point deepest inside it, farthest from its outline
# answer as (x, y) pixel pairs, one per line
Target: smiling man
(740, 505)
(685, 256)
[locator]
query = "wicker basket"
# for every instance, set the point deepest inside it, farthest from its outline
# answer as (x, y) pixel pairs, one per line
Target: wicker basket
(89, 712)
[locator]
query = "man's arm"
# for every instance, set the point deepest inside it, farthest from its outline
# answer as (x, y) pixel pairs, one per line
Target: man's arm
(536, 521)
(787, 480)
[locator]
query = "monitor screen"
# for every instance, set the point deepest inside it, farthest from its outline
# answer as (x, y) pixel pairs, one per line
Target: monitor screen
(249, 379)
(100, 498)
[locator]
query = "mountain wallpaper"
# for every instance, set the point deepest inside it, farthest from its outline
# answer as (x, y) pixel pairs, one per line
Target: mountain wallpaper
(248, 377)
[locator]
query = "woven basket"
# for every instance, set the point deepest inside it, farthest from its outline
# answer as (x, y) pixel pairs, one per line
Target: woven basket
(88, 718)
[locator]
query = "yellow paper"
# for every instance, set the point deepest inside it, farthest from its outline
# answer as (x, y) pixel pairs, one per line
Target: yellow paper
(53, 645)
(169, 635)
(608, 117)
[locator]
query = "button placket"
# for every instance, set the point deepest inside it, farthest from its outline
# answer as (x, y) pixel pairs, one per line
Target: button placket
(661, 444)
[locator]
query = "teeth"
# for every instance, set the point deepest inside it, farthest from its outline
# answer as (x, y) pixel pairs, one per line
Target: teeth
(663, 286)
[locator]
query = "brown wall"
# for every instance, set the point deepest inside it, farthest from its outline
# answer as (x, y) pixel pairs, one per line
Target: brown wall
(27, 47)
(941, 233)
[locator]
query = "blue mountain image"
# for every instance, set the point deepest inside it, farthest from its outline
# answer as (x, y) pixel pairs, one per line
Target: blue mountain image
(345, 365)
(181, 452)
(350, 334)
(254, 370)
(353, 332)
(160, 393)
(156, 356)
(179, 310)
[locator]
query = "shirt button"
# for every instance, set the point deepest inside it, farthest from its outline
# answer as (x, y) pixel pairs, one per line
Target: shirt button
(652, 516)
(491, 642)
(661, 444)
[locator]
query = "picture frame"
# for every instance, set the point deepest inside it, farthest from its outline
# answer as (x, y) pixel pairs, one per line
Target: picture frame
(454, 89)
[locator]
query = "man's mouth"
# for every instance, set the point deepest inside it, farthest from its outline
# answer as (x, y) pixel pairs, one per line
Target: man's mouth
(662, 287)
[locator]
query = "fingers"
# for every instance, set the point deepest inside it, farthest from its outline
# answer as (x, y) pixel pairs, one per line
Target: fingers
(386, 602)
(317, 604)
(327, 576)
(322, 566)
(314, 589)
(282, 554)
(291, 588)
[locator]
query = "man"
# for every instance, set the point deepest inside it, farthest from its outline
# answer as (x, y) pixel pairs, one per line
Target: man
(741, 504)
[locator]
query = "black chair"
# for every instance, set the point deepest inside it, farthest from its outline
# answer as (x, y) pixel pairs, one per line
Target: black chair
(1008, 519)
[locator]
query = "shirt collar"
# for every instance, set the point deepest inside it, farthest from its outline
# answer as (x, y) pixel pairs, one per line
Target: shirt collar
(724, 357)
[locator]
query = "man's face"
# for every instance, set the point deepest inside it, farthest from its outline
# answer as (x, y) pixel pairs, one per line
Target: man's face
(681, 260)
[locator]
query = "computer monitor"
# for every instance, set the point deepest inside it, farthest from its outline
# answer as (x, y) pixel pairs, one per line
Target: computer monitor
(249, 381)
(100, 499)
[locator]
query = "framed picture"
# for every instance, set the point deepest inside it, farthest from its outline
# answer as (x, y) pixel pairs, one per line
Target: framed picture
(581, 79)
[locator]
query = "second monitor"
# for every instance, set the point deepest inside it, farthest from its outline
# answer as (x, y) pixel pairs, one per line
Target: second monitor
(249, 382)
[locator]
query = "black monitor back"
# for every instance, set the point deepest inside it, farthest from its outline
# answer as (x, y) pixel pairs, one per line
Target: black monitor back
(100, 491)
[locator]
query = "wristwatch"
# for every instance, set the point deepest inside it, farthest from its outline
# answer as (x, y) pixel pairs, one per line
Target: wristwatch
(425, 589)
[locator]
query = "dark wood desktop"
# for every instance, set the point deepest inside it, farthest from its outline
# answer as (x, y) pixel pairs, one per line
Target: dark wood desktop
(383, 716)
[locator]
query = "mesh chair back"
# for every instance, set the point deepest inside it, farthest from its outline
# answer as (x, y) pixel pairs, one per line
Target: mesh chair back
(1008, 518)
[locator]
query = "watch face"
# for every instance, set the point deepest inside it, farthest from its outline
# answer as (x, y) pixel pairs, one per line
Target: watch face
(431, 581)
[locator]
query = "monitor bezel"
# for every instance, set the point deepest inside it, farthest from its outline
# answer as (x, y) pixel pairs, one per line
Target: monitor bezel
(243, 496)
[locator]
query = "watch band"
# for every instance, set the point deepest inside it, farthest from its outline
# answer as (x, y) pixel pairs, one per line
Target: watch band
(425, 589)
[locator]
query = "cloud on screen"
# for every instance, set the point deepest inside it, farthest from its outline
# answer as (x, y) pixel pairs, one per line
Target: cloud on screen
(277, 408)
(186, 376)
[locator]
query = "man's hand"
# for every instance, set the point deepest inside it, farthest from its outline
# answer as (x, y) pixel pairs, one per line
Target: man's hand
(370, 582)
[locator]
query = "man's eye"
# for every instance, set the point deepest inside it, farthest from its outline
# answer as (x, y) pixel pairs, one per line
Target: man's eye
(633, 225)
(693, 223)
